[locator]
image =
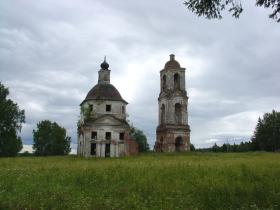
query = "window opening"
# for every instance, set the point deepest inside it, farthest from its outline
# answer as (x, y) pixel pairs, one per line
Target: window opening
(108, 108)
(108, 135)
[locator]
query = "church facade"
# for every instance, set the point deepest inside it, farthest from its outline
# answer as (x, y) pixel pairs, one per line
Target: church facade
(173, 131)
(103, 130)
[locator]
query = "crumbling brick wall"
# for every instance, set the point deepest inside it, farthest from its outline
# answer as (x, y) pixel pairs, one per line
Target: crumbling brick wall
(131, 147)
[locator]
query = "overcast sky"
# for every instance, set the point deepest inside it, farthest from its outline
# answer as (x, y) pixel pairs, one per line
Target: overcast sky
(50, 52)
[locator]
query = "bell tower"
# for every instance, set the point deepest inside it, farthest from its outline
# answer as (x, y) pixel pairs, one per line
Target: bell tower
(173, 131)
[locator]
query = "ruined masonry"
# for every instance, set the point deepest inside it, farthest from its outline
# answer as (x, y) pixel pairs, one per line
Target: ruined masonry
(173, 131)
(102, 129)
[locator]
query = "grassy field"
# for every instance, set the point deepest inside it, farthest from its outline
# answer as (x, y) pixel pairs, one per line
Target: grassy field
(150, 181)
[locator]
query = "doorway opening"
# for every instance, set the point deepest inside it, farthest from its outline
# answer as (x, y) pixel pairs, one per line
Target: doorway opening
(107, 150)
(178, 143)
(93, 149)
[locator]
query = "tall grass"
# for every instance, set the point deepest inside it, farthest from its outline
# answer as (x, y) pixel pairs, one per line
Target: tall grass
(150, 181)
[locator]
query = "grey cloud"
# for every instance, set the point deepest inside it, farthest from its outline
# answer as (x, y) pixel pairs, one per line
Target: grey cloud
(50, 53)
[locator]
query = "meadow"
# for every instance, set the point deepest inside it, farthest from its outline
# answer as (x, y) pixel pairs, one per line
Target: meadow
(148, 181)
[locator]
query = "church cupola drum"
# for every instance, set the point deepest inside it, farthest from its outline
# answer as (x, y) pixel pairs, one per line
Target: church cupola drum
(173, 131)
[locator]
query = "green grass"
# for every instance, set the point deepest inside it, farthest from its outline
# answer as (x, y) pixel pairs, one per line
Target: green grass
(150, 181)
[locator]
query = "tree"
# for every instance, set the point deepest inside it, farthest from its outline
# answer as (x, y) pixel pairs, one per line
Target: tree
(215, 148)
(224, 148)
(267, 132)
(50, 139)
(140, 138)
(212, 9)
(192, 148)
(11, 119)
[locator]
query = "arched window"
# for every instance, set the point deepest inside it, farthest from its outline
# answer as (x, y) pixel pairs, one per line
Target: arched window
(178, 143)
(176, 81)
(178, 113)
(164, 82)
(162, 117)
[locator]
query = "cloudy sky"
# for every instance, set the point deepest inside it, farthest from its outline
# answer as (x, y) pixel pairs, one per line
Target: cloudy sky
(50, 52)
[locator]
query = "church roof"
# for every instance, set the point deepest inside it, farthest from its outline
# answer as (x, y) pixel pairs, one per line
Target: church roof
(104, 92)
(172, 63)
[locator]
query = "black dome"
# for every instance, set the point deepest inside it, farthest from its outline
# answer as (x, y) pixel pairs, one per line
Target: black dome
(104, 92)
(104, 65)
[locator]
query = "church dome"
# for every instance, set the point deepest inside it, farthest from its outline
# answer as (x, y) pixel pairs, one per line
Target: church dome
(104, 65)
(172, 63)
(104, 92)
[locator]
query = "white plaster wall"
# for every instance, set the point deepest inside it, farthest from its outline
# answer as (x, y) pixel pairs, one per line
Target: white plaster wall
(99, 108)
(121, 149)
(117, 150)
(101, 132)
(110, 126)
(87, 144)
(112, 150)
(83, 145)
(104, 76)
(98, 149)
(103, 150)
(78, 145)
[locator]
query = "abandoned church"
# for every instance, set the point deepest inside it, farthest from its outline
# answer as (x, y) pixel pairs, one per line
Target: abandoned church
(103, 130)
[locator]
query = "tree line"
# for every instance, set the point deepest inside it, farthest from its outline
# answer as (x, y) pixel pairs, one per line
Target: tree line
(266, 137)
(226, 147)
